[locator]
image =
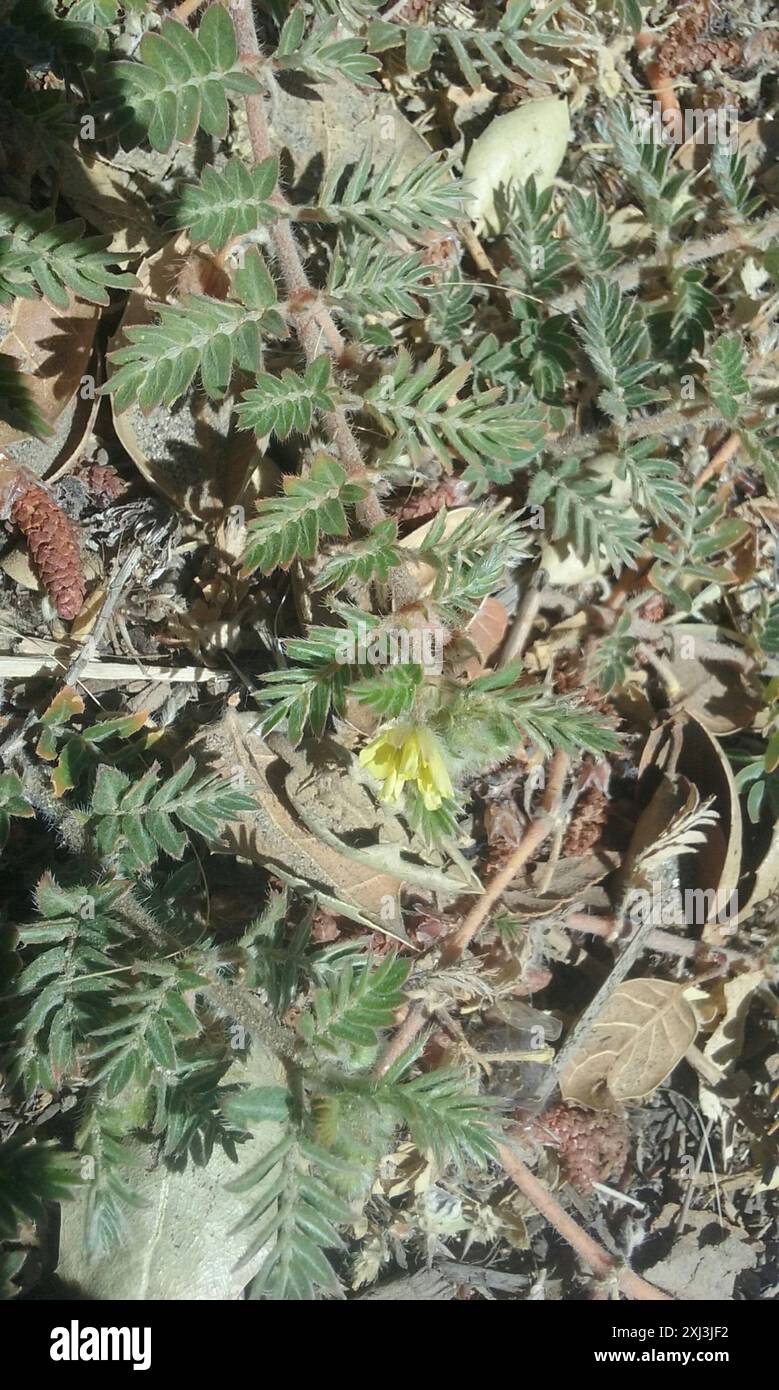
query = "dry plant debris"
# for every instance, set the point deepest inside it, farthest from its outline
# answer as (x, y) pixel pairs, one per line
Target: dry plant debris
(51, 539)
(389, 649)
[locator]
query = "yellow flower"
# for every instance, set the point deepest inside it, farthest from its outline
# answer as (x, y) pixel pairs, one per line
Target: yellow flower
(408, 753)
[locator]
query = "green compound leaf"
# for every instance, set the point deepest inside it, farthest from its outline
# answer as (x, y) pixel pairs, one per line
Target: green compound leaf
(291, 525)
(367, 560)
(282, 405)
(179, 83)
(228, 202)
(419, 408)
(138, 819)
(55, 259)
(199, 335)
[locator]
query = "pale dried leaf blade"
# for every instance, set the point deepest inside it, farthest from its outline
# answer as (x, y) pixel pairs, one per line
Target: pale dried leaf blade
(642, 1033)
(584, 1080)
(180, 1242)
(193, 454)
(572, 881)
(725, 1044)
(271, 835)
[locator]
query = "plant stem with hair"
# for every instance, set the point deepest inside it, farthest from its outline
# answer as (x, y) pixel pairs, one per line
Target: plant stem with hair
(313, 319)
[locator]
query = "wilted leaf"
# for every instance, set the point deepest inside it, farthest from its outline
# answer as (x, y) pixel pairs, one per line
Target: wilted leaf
(641, 1034)
(715, 682)
(683, 834)
(273, 836)
(47, 361)
(53, 347)
(766, 878)
(17, 565)
(66, 704)
(485, 630)
(332, 130)
(111, 198)
(572, 879)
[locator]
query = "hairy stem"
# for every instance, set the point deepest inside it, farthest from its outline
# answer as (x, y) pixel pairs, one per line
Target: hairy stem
(313, 320)
(602, 1264)
(533, 838)
(228, 997)
(233, 999)
(629, 277)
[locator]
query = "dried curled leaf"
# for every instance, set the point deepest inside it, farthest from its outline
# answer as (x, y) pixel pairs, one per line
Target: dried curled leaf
(573, 879)
(684, 834)
(734, 998)
(683, 748)
(182, 1240)
(194, 454)
(642, 1033)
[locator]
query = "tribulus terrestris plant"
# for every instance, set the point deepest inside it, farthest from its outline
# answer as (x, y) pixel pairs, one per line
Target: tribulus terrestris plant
(415, 436)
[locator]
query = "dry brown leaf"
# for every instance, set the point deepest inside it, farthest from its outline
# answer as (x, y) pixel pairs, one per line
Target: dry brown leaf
(671, 797)
(566, 636)
(17, 565)
(92, 607)
(52, 347)
(724, 1045)
(571, 880)
(111, 199)
(766, 880)
(485, 630)
(683, 747)
(711, 679)
(685, 833)
(274, 836)
(641, 1034)
(327, 126)
(52, 350)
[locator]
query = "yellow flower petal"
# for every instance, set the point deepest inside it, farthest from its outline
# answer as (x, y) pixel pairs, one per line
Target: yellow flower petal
(409, 758)
(392, 787)
(428, 792)
(405, 753)
(381, 761)
(437, 767)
